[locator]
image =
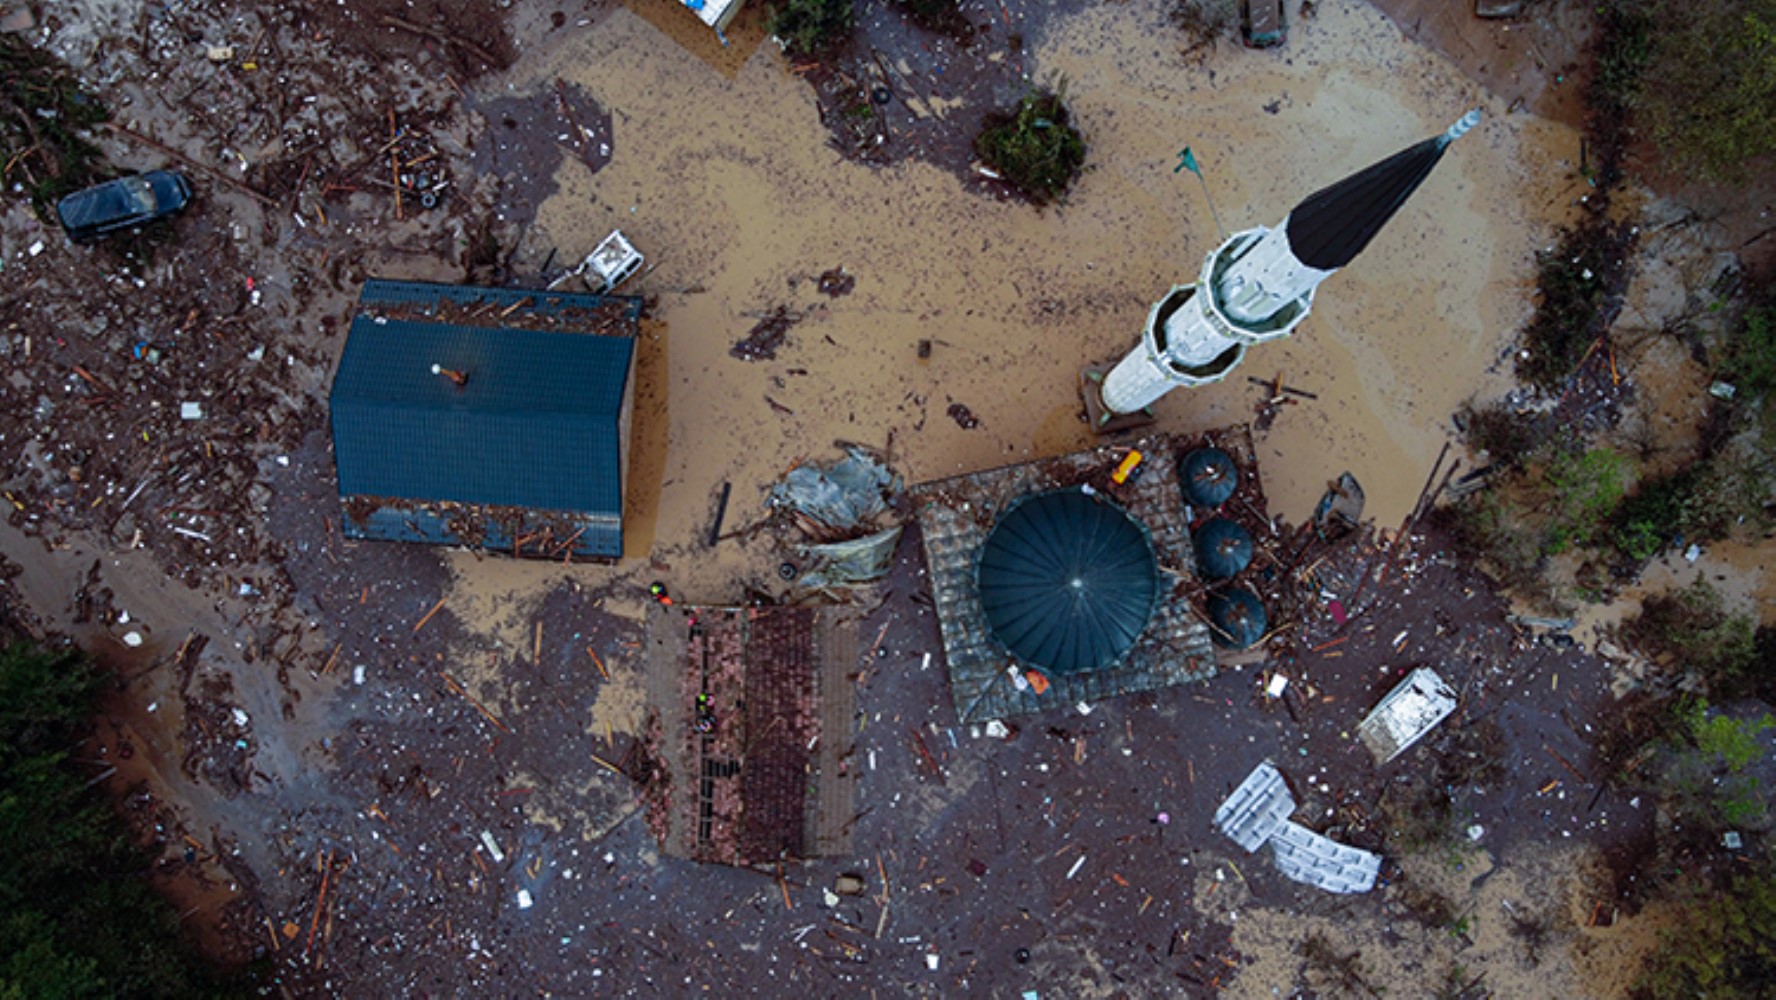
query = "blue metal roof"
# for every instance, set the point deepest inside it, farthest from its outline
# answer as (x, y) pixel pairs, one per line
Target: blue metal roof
(535, 427)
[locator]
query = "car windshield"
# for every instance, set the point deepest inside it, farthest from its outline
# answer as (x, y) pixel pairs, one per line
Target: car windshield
(138, 196)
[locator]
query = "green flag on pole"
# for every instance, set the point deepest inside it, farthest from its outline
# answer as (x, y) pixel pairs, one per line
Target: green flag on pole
(1186, 161)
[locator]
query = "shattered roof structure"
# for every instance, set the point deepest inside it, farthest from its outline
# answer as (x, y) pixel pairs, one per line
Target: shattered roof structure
(751, 730)
(490, 417)
(1257, 813)
(1409, 711)
(957, 514)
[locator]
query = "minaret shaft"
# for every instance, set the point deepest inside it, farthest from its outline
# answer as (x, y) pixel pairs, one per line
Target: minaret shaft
(1259, 285)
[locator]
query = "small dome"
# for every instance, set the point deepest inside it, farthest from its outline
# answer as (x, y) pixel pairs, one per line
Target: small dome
(1067, 582)
(1223, 549)
(1209, 477)
(1236, 618)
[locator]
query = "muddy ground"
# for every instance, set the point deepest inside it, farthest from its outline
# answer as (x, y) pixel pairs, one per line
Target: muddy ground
(318, 733)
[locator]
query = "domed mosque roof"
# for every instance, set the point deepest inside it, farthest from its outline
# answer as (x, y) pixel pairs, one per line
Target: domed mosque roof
(1209, 477)
(1223, 548)
(1067, 582)
(1237, 617)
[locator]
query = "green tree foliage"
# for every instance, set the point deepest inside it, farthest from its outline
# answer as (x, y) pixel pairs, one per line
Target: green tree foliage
(1751, 355)
(1709, 93)
(1694, 626)
(77, 916)
(810, 27)
(43, 115)
(1721, 946)
(1734, 741)
(1034, 146)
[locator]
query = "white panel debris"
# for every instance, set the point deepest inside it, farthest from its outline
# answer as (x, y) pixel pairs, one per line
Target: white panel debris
(1306, 856)
(1407, 713)
(1257, 813)
(1260, 804)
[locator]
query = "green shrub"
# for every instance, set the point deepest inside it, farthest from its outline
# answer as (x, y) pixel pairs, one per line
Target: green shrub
(1701, 502)
(1035, 146)
(1578, 282)
(1508, 437)
(811, 27)
(1733, 740)
(1751, 354)
(1586, 487)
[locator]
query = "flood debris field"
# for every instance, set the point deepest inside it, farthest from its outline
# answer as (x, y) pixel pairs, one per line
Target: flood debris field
(387, 775)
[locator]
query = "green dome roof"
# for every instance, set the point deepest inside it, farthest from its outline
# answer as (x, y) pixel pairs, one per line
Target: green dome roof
(1067, 581)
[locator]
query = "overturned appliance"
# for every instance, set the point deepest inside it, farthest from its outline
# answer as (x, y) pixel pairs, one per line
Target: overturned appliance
(613, 261)
(1257, 813)
(1407, 713)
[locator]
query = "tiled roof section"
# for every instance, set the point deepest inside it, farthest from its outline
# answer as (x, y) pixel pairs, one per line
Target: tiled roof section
(779, 721)
(769, 777)
(955, 516)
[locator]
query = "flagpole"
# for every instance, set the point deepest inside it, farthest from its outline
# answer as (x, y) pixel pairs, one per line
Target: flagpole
(1187, 161)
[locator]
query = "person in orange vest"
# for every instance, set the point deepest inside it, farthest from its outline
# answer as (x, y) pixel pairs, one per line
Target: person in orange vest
(658, 589)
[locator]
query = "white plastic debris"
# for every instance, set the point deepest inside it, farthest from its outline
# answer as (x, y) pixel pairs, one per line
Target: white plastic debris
(154, 706)
(524, 900)
(931, 961)
(1278, 683)
(132, 639)
(1084, 708)
(493, 848)
(240, 717)
(1732, 841)
(1076, 866)
(1017, 679)
(220, 53)
(1693, 553)
(190, 411)
(829, 897)
(997, 730)
(36, 248)
(1476, 831)
(358, 674)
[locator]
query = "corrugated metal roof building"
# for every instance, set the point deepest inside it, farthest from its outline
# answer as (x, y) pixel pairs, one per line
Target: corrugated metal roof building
(496, 418)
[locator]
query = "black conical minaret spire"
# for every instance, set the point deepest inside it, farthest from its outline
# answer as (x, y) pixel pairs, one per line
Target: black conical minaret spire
(1334, 224)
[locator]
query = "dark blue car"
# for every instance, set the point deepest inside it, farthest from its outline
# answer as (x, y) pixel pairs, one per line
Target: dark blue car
(123, 203)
